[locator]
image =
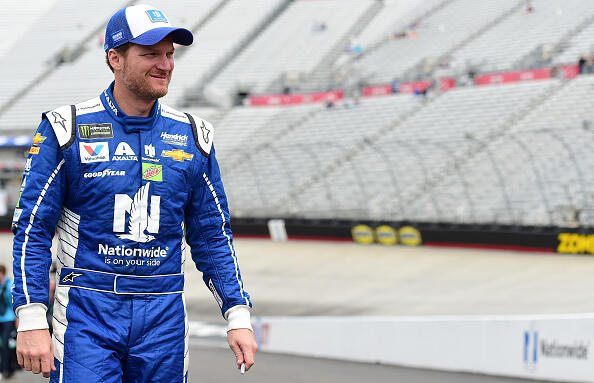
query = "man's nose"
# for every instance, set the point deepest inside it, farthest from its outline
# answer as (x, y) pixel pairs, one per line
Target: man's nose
(165, 64)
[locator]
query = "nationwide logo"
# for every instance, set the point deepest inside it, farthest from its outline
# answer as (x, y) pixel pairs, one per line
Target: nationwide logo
(105, 173)
(95, 131)
(135, 252)
(140, 223)
(124, 153)
(536, 347)
(152, 172)
(174, 139)
(38, 139)
(177, 155)
(94, 152)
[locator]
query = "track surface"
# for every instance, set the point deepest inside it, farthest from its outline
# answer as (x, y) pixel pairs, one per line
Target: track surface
(217, 365)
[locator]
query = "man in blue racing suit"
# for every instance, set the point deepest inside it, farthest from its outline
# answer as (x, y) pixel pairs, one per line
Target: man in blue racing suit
(125, 181)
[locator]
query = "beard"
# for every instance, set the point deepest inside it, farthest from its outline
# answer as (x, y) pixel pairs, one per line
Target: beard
(138, 84)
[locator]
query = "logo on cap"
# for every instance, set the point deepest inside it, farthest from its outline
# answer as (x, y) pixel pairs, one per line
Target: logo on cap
(156, 16)
(117, 36)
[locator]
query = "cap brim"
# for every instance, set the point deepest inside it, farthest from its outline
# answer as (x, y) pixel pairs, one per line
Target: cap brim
(180, 36)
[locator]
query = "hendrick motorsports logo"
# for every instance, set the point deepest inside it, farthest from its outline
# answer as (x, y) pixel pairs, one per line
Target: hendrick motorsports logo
(174, 139)
(536, 348)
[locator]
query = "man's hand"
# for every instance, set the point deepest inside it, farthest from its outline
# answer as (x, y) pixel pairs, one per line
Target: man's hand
(35, 351)
(244, 346)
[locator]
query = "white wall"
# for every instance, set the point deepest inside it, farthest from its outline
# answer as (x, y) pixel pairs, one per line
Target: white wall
(498, 345)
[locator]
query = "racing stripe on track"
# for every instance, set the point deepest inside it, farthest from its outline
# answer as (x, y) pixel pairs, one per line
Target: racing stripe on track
(31, 219)
(216, 199)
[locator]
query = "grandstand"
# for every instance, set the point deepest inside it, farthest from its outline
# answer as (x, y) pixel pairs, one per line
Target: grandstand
(517, 153)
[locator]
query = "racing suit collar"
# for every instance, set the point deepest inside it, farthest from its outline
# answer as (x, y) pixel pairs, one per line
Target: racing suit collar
(130, 123)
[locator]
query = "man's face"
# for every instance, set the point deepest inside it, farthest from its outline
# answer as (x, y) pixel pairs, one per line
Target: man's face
(146, 69)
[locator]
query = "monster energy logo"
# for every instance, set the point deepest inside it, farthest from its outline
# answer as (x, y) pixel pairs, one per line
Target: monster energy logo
(95, 131)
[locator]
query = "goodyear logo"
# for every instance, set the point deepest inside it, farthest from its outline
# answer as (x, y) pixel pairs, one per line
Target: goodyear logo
(574, 243)
(362, 234)
(386, 235)
(410, 236)
(152, 172)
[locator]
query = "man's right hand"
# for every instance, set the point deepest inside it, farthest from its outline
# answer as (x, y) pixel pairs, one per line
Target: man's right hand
(35, 351)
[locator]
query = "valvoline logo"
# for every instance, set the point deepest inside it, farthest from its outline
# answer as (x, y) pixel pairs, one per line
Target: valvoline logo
(94, 152)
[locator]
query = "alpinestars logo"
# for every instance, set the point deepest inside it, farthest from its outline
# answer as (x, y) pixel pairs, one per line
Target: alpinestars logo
(140, 223)
(205, 132)
(58, 119)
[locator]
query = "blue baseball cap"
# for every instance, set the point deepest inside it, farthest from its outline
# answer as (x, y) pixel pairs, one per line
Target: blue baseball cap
(142, 24)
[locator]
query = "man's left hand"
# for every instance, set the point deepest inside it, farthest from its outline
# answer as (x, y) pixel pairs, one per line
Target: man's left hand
(243, 344)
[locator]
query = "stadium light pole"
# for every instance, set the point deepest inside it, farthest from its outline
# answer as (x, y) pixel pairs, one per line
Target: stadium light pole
(482, 145)
(537, 174)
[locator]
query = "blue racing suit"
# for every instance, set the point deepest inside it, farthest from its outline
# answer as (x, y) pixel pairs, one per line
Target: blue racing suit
(124, 194)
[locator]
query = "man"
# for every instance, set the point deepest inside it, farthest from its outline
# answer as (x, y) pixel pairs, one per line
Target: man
(7, 319)
(122, 178)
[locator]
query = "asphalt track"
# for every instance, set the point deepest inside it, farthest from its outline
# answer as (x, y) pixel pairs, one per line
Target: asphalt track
(217, 365)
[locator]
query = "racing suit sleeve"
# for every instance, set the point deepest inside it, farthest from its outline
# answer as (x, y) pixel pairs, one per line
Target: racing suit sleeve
(34, 224)
(208, 232)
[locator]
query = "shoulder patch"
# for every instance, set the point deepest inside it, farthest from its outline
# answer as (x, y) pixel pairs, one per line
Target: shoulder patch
(63, 120)
(169, 112)
(91, 106)
(203, 133)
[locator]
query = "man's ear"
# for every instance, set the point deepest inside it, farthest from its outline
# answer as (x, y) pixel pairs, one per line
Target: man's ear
(115, 59)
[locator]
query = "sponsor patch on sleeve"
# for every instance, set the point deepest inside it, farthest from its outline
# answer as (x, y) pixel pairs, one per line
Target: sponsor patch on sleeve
(34, 150)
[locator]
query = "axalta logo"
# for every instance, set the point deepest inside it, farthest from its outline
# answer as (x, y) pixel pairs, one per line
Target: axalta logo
(124, 152)
(105, 173)
(174, 139)
(94, 152)
(141, 223)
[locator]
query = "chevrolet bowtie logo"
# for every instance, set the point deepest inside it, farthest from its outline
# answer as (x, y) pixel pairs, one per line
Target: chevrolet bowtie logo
(38, 139)
(70, 277)
(177, 154)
